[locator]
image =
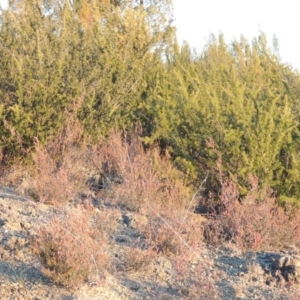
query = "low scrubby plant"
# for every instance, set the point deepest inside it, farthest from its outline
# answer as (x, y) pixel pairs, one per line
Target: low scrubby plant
(57, 173)
(133, 177)
(253, 222)
(71, 249)
(135, 259)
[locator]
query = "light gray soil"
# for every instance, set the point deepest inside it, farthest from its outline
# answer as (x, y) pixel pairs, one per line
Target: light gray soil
(237, 275)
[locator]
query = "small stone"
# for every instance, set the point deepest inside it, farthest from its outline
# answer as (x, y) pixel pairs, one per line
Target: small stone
(25, 225)
(297, 263)
(148, 288)
(19, 255)
(21, 241)
(134, 287)
(281, 280)
(22, 291)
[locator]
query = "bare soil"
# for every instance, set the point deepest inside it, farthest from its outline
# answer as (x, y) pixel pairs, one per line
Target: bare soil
(235, 274)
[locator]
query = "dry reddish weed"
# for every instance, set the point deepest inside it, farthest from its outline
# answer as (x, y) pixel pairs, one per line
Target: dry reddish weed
(163, 238)
(167, 234)
(134, 178)
(72, 248)
(257, 222)
(12, 175)
(57, 175)
(135, 259)
(292, 291)
(118, 168)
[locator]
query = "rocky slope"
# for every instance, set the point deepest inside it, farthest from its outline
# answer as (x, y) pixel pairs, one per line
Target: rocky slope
(236, 275)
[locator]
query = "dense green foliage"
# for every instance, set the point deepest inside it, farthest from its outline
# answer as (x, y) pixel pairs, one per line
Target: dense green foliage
(237, 104)
(89, 56)
(115, 64)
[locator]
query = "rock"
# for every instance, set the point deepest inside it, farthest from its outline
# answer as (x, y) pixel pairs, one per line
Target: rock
(19, 255)
(287, 268)
(25, 225)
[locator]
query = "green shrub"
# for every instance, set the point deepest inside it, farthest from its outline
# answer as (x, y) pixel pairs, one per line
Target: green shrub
(87, 58)
(235, 104)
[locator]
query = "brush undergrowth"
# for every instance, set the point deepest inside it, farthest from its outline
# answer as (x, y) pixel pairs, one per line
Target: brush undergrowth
(255, 222)
(71, 248)
(76, 244)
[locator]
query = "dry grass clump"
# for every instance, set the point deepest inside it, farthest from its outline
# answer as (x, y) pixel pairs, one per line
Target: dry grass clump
(257, 222)
(147, 183)
(57, 167)
(132, 177)
(71, 248)
(12, 176)
(135, 259)
(55, 174)
(163, 237)
(168, 234)
(117, 169)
